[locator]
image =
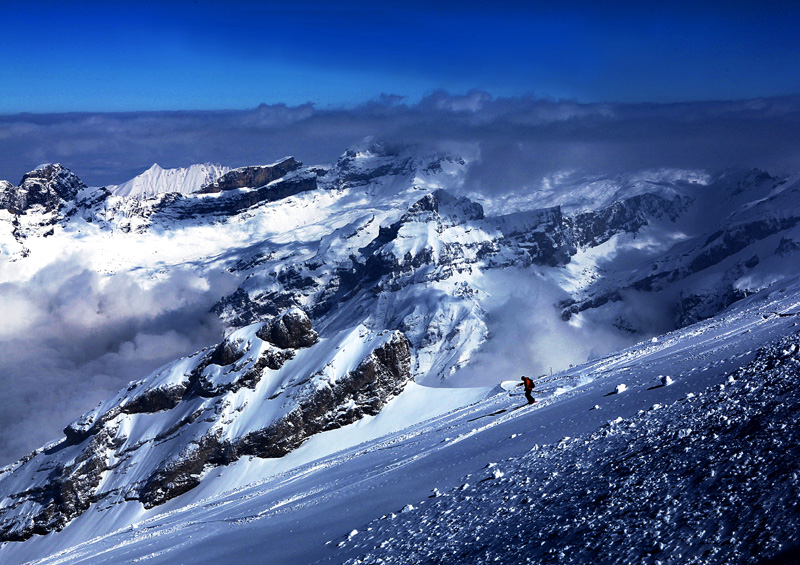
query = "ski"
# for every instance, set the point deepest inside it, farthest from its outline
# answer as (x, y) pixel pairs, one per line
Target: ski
(487, 415)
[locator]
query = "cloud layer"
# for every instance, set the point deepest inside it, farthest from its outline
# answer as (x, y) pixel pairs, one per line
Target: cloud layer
(519, 138)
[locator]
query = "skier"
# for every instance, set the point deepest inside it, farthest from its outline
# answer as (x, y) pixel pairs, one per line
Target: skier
(528, 384)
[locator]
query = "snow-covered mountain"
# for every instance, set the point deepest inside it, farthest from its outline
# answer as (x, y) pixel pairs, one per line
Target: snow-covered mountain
(379, 296)
(155, 180)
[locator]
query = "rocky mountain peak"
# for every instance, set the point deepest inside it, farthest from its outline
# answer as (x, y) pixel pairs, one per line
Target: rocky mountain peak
(754, 179)
(252, 177)
(291, 330)
(372, 147)
(446, 207)
(371, 159)
(49, 186)
(53, 176)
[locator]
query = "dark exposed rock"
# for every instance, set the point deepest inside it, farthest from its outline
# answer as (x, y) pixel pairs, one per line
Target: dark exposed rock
(147, 401)
(155, 400)
(71, 488)
(626, 216)
(226, 353)
(754, 178)
(241, 309)
(252, 177)
(722, 244)
(201, 385)
(570, 307)
(700, 305)
(385, 159)
(288, 332)
(541, 237)
(49, 186)
(787, 247)
(428, 203)
(731, 240)
(184, 472)
(695, 306)
(442, 206)
(70, 491)
(364, 391)
(291, 330)
(176, 206)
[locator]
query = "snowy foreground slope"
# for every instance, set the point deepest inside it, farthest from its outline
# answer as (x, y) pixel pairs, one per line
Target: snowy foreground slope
(703, 470)
(371, 309)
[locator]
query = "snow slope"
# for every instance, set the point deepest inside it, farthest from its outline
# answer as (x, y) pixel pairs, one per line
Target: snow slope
(699, 471)
(155, 180)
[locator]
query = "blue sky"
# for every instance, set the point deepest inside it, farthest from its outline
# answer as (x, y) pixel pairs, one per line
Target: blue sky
(204, 54)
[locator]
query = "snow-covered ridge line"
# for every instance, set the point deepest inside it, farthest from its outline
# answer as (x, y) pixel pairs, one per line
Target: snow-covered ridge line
(155, 180)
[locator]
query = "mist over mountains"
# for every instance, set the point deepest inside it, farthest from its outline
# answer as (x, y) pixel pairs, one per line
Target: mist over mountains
(520, 139)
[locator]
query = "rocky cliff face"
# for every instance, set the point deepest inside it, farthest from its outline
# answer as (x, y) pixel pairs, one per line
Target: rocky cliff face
(379, 377)
(187, 410)
(49, 188)
(44, 198)
(252, 177)
(591, 229)
(715, 266)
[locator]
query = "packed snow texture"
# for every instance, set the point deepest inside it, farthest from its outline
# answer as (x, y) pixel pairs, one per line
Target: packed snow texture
(155, 180)
(713, 478)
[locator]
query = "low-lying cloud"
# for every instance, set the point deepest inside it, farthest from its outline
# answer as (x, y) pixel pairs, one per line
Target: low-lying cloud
(527, 335)
(71, 338)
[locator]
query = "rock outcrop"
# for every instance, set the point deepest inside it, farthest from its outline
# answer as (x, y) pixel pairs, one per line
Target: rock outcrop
(187, 412)
(252, 177)
(379, 377)
(49, 187)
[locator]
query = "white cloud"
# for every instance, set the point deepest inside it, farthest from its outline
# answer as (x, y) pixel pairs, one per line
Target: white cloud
(72, 337)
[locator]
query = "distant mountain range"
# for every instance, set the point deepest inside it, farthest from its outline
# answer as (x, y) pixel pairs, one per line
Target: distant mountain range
(360, 284)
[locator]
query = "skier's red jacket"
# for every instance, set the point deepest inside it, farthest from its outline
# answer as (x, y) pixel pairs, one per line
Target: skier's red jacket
(528, 383)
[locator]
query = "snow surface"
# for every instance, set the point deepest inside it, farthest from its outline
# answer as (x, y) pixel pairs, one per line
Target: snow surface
(702, 471)
(155, 180)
